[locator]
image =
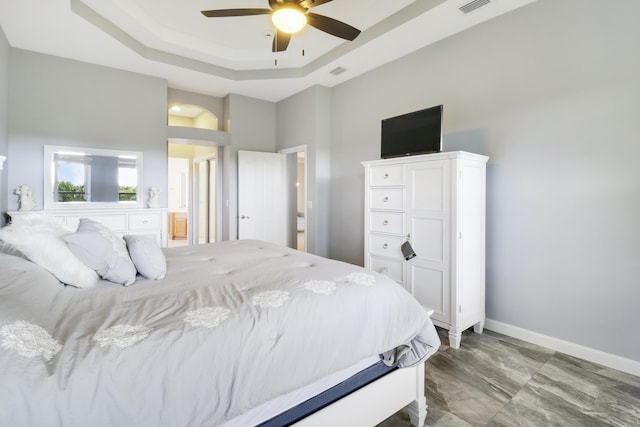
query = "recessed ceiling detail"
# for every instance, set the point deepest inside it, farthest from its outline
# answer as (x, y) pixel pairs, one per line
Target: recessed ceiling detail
(174, 41)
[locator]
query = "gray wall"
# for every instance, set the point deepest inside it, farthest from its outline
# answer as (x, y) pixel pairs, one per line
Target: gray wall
(4, 107)
(305, 119)
(56, 101)
(551, 93)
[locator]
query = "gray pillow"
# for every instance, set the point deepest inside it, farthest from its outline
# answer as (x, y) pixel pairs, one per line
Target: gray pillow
(147, 256)
(104, 251)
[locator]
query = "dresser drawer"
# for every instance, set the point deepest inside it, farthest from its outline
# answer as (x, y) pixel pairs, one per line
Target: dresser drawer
(144, 221)
(388, 246)
(387, 222)
(386, 175)
(387, 198)
(115, 222)
(390, 268)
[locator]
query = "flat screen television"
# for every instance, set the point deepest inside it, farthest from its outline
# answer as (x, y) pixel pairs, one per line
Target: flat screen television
(414, 133)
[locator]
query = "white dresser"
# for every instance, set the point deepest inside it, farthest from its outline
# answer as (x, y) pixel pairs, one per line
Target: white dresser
(437, 203)
(151, 221)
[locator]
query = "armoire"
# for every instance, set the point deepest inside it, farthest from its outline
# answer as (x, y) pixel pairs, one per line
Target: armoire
(437, 203)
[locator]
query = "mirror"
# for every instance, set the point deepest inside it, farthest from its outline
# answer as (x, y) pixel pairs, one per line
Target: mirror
(91, 177)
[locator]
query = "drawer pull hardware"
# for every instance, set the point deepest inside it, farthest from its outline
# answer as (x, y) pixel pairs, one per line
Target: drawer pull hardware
(385, 246)
(385, 222)
(386, 199)
(386, 175)
(145, 222)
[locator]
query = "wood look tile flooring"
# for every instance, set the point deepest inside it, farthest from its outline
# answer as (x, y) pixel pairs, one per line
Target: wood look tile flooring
(495, 380)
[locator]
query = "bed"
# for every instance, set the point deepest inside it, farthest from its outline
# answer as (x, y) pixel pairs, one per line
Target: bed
(234, 333)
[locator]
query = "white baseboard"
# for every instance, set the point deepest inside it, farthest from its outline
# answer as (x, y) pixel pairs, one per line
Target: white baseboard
(596, 356)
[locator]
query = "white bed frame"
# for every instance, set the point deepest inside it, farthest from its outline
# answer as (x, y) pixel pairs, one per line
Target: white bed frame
(376, 402)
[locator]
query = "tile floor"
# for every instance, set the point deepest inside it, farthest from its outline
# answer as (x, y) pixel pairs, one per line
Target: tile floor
(495, 380)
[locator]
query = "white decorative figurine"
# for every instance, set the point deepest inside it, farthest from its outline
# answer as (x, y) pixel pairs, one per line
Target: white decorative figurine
(25, 198)
(153, 197)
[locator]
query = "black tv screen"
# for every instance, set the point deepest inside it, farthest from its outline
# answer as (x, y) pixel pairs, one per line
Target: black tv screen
(419, 132)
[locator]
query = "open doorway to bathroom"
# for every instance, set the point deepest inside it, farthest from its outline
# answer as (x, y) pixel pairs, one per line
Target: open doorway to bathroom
(192, 193)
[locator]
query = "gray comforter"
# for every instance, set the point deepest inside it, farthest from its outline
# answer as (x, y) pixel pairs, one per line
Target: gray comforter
(232, 325)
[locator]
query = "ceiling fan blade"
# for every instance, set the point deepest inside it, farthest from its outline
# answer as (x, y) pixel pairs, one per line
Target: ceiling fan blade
(280, 41)
(308, 4)
(234, 12)
(332, 26)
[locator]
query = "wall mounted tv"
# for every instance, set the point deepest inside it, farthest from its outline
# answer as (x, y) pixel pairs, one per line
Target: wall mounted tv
(414, 133)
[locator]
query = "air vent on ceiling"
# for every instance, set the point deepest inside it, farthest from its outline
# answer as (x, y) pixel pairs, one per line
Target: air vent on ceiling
(475, 4)
(337, 70)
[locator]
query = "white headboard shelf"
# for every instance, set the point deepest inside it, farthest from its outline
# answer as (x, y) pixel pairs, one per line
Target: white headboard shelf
(122, 221)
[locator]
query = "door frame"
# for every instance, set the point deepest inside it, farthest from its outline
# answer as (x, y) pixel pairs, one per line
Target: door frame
(295, 150)
(212, 199)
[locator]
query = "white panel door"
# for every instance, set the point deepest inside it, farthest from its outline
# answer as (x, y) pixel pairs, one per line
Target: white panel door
(261, 196)
(428, 214)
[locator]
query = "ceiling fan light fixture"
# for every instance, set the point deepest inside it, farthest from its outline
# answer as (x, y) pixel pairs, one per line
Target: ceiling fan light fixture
(289, 19)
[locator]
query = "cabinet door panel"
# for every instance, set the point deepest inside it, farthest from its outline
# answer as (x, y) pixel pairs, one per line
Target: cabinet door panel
(431, 289)
(428, 184)
(428, 239)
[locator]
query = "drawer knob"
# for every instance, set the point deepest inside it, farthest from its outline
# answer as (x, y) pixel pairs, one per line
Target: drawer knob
(386, 199)
(386, 175)
(385, 222)
(385, 246)
(145, 222)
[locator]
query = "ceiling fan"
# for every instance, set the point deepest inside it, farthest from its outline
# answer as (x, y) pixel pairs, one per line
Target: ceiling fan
(289, 17)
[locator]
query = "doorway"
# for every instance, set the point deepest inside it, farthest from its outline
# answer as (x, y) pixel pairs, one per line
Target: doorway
(192, 182)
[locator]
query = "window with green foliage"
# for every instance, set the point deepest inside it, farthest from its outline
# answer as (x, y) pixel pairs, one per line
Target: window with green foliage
(88, 176)
(68, 192)
(127, 193)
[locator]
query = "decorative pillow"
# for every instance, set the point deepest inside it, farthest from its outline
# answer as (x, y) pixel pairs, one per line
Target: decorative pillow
(102, 250)
(147, 256)
(40, 239)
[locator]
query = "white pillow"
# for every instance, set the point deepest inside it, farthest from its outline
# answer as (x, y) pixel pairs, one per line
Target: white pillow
(147, 256)
(40, 239)
(102, 250)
